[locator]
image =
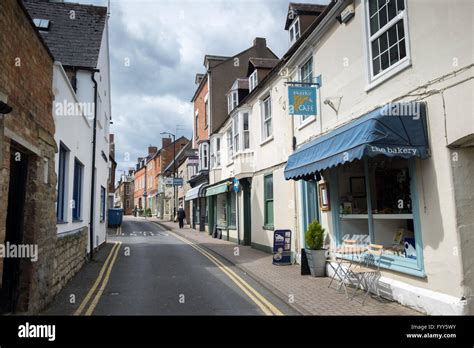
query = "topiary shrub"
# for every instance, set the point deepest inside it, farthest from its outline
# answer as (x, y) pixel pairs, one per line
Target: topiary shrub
(314, 236)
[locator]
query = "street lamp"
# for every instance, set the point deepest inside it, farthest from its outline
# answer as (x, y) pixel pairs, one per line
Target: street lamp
(174, 170)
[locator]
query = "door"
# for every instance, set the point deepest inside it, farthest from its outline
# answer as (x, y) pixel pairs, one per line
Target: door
(247, 212)
(14, 229)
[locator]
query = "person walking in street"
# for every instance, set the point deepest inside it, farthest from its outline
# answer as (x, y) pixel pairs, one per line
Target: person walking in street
(181, 216)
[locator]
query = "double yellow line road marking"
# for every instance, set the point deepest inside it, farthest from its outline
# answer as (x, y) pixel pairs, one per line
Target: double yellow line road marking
(264, 305)
(106, 269)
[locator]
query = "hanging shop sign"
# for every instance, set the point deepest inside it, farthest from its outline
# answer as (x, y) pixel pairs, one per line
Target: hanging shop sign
(282, 247)
(302, 100)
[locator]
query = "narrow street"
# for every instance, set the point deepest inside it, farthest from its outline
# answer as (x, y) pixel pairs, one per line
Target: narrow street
(156, 272)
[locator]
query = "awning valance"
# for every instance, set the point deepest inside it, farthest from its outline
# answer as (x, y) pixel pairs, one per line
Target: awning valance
(217, 189)
(194, 193)
(395, 130)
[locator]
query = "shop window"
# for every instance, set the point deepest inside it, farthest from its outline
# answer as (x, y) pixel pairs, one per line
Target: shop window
(375, 206)
(268, 200)
(222, 210)
(233, 209)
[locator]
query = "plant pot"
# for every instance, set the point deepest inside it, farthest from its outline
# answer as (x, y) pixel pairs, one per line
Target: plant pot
(316, 262)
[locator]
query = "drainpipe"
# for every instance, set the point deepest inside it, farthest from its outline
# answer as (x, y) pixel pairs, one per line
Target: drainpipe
(94, 136)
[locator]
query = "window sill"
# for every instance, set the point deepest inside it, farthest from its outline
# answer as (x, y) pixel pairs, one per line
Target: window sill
(266, 141)
(402, 65)
(307, 122)
(78, 220)
(229, 164)
(62, 222)
(268, 228)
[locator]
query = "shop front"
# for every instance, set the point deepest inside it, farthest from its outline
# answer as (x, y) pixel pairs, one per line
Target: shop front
(197, 209)
(222, 203)
(360, 181)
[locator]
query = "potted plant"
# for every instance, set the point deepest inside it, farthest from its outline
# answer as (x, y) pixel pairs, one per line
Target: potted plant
(315, 253)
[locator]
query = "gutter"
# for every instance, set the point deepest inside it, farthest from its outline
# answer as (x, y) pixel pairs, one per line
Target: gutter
(94, 138)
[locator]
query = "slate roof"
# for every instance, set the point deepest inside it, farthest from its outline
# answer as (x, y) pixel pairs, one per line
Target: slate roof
(301, 9)
(263, 63)
(73, 42)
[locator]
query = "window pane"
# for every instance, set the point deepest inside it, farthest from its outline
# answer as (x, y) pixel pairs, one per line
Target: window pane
(392, 36)
(269, 213)
(246, 121)
(385, 61)
(383, 42)
(372, 7)
(392, 10)
(375, 48)
(401, 47)
(269, 187)
(400, 5)
(246, 140)
(374, 24)
(383, 16)
(400, 29)
(394, 55)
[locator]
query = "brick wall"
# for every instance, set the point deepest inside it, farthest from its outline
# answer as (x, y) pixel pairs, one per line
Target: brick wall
(199, 106)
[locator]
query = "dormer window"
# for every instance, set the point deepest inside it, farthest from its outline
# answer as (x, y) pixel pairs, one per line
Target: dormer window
(232, 101)
(253, 80)
(295, 31)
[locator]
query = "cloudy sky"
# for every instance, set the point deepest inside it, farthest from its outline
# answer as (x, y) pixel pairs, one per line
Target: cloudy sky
(164, 42)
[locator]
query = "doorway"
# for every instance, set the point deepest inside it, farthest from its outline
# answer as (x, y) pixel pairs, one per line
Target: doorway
(9, 293)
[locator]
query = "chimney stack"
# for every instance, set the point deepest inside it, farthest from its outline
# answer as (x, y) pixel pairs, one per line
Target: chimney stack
(152, 150)
(165, 142)
(260, 42)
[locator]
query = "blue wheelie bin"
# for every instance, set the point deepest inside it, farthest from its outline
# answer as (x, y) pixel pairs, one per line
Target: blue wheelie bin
(115, 217)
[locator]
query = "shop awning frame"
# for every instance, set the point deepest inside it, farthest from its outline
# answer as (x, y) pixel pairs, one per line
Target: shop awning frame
(195, 192)
(381, 132)
(217, 189)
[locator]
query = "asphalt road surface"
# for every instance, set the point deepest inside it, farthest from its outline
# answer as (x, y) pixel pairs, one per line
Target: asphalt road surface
(147, 270)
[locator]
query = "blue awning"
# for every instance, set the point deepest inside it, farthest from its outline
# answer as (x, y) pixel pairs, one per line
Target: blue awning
(394, 130)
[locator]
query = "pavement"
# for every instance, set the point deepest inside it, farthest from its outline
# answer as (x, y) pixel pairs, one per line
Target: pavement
(308, 295)
(144, 269)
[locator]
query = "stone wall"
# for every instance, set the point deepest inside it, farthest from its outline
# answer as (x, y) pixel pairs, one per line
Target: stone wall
(26, 80)
(70, 256)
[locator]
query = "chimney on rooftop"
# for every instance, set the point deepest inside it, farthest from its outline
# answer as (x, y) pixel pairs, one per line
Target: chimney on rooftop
(152, 150)
(260, 42)
(165, 142)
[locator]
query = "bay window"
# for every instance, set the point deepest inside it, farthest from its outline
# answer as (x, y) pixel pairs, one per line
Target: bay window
(235, 131)
(230, 147)
(232, 101)
(246, 131)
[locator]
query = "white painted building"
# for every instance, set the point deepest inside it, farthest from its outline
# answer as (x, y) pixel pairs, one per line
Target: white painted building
(81, 54)
(406, 51)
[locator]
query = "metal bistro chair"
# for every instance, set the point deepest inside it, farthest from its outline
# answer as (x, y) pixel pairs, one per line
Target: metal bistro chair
(340, 272)
(367, 271)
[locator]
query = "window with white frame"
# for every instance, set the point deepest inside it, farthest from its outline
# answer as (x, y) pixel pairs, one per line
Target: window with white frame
(218, 151)
(204, 156)
(246, 130)
(236, 133)
(295, 31)
(232, 100)
(206, 111)
(267, 118)
(230, 144)
(387, 21)
(306, 76)
(253, 80)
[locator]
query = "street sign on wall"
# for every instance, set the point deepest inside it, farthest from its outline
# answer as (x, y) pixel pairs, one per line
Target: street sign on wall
(302, 100)
(178, 181)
